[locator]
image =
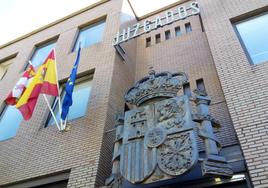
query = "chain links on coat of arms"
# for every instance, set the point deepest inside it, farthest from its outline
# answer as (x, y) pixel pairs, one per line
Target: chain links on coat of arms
(175, 155)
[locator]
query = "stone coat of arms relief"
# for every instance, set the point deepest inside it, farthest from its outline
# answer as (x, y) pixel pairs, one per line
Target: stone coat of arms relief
(155, 141)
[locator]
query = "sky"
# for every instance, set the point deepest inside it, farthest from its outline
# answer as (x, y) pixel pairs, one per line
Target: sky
(143, 7)
(19, 17)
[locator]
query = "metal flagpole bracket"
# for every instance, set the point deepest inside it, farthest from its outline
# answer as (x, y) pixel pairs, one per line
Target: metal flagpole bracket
(59, 103)
(51, 111)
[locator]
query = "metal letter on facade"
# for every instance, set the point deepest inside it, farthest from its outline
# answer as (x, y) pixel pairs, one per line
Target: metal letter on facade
(170, 16)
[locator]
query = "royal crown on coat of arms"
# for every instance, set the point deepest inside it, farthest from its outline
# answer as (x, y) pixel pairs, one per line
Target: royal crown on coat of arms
(156, 140)
(164, 84)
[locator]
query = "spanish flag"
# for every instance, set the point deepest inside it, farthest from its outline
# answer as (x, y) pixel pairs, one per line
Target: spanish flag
(43, 82)
(50, 85)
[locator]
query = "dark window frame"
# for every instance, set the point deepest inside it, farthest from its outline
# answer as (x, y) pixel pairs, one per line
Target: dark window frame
(187, 89)
(167, 34)
(158, 38)
(178, 28)
(3, 108)
(39, 46)
(44, 180)
(188, 25)
(200, 83)
(54, 102)
(235, 22)
(148, 42)
(85, 27)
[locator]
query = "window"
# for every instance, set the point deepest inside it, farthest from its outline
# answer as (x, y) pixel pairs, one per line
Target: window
(167, 34)
(4, 67)
(41, 52)
(148, 42)
(253, 35)
(188, 27)
(58, 184)
(187, 89)
(157, 38)
(81, 93)
(9, 122)
(177, 31)
(55, 180)
(90, 35)
(200, 84)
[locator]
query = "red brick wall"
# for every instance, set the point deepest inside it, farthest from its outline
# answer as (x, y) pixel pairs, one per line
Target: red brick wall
(189, 53)
(37, 151)
(214, 55)
(244, 86)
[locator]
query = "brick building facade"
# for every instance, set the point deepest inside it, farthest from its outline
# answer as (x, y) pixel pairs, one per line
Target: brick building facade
(206, 46)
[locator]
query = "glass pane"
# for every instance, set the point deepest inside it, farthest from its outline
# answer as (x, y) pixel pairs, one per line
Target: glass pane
(41, 54)
(56, 112)
(187, 89)
(80, 100)
(78, 109)
(167, 35)
(148, 42)
(177, 31)
(254, 32)
(9, 122)
(200, 84)
(188, 27)
(90, 35)
(157, 38)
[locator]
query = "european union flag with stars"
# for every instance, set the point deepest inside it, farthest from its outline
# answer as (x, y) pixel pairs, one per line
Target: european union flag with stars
(69, 87)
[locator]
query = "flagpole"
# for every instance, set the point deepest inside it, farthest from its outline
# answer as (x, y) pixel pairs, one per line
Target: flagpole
(59, 101)
(48, 104)
(64, 125)
(65, 121)
(79, 49)
(51, 111)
